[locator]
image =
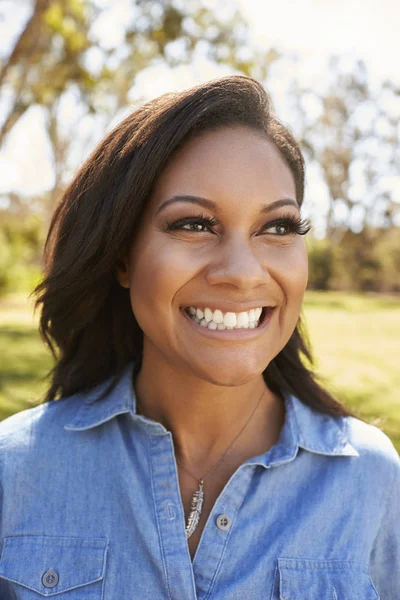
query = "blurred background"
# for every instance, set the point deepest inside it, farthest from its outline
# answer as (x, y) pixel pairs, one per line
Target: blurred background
(71, 69)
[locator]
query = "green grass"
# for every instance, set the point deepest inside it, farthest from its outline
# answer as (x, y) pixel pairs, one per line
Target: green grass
(356, 343)
(25, 360)
(355, 339)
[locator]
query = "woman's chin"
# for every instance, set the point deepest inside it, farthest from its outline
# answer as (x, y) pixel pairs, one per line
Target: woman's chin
(229, 376)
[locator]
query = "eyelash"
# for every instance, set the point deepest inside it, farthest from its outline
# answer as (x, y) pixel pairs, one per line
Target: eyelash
(295, 225)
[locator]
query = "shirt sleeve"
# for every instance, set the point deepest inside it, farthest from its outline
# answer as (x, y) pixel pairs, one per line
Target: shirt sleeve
(385, 555)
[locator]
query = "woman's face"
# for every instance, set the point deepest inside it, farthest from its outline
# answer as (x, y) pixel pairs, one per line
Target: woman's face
(222, 249)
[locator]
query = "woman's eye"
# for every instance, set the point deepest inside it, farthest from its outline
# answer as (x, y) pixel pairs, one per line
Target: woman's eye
(198, 226)
(193, 224)
(288, 226)
(280, 228)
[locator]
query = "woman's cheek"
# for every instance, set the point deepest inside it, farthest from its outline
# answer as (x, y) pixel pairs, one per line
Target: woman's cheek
(157, 273)
(288, 266)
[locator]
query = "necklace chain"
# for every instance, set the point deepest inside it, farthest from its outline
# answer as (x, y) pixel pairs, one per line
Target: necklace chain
(227, 450)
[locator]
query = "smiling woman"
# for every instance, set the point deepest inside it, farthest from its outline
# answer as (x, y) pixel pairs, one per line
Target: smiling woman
(185, 448)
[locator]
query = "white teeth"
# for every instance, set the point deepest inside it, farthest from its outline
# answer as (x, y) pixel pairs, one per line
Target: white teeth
(230, 319)
(218, 317)
(208, 315)
(218, 321)
(242, 319)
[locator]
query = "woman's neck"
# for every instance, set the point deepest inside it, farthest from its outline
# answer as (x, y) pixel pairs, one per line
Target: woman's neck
(204, 418)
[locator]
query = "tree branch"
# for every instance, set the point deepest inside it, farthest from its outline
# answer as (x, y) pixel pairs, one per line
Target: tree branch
(28, 38)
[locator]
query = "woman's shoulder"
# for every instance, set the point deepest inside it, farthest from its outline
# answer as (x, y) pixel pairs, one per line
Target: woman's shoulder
(49, 425)
(369, 438)
(374, 447)
(44, 420)
(349, 436)
(360, 451)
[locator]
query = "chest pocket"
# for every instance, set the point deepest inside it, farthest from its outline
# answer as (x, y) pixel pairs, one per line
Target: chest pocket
(308, 579)
(38, 566)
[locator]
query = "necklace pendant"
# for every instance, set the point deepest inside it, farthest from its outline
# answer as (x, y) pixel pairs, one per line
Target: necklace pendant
(195, 513)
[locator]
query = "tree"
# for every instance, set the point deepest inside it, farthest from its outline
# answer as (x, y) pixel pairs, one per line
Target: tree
(354, 137)
(61, 56)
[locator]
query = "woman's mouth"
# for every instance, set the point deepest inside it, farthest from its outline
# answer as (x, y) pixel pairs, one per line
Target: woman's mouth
(217, 320)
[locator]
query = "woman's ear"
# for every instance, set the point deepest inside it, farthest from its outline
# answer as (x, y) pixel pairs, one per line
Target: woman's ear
(122, 272)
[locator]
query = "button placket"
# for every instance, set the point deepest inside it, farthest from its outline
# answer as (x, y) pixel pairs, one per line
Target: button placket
(218, 530)
(170, 518)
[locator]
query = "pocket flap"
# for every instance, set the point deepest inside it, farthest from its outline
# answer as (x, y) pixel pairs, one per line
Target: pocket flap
(309, 579)
(51, 565)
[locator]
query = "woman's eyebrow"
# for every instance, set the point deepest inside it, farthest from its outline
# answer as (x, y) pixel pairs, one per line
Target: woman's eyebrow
(213, 206)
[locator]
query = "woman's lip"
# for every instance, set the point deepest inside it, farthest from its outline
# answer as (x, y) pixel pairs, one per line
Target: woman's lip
(231, 334)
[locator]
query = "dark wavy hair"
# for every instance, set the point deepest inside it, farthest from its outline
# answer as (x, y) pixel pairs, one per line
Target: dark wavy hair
(86, 316)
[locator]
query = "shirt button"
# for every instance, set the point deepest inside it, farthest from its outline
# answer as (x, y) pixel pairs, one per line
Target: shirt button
(223, 522)
(50, 578)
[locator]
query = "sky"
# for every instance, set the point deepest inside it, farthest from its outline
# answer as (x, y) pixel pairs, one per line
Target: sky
(311, 30)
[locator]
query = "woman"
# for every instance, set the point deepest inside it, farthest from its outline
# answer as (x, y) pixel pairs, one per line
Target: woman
(191, 452)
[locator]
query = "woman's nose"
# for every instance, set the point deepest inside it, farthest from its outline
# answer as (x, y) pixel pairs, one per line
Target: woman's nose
(237, 263)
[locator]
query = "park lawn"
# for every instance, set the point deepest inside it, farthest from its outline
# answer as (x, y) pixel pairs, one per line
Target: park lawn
(25, 360)
(355, 340)
(356, 344)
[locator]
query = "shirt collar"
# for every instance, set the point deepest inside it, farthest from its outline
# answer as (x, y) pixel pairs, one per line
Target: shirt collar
(303, 428)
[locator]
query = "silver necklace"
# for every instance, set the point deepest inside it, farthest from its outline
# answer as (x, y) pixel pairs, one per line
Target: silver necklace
(198, 495)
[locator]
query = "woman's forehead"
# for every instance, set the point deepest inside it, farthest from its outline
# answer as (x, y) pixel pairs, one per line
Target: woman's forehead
(229, 162)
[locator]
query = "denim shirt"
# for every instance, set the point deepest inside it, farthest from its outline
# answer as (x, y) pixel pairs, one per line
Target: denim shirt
(91, 510)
